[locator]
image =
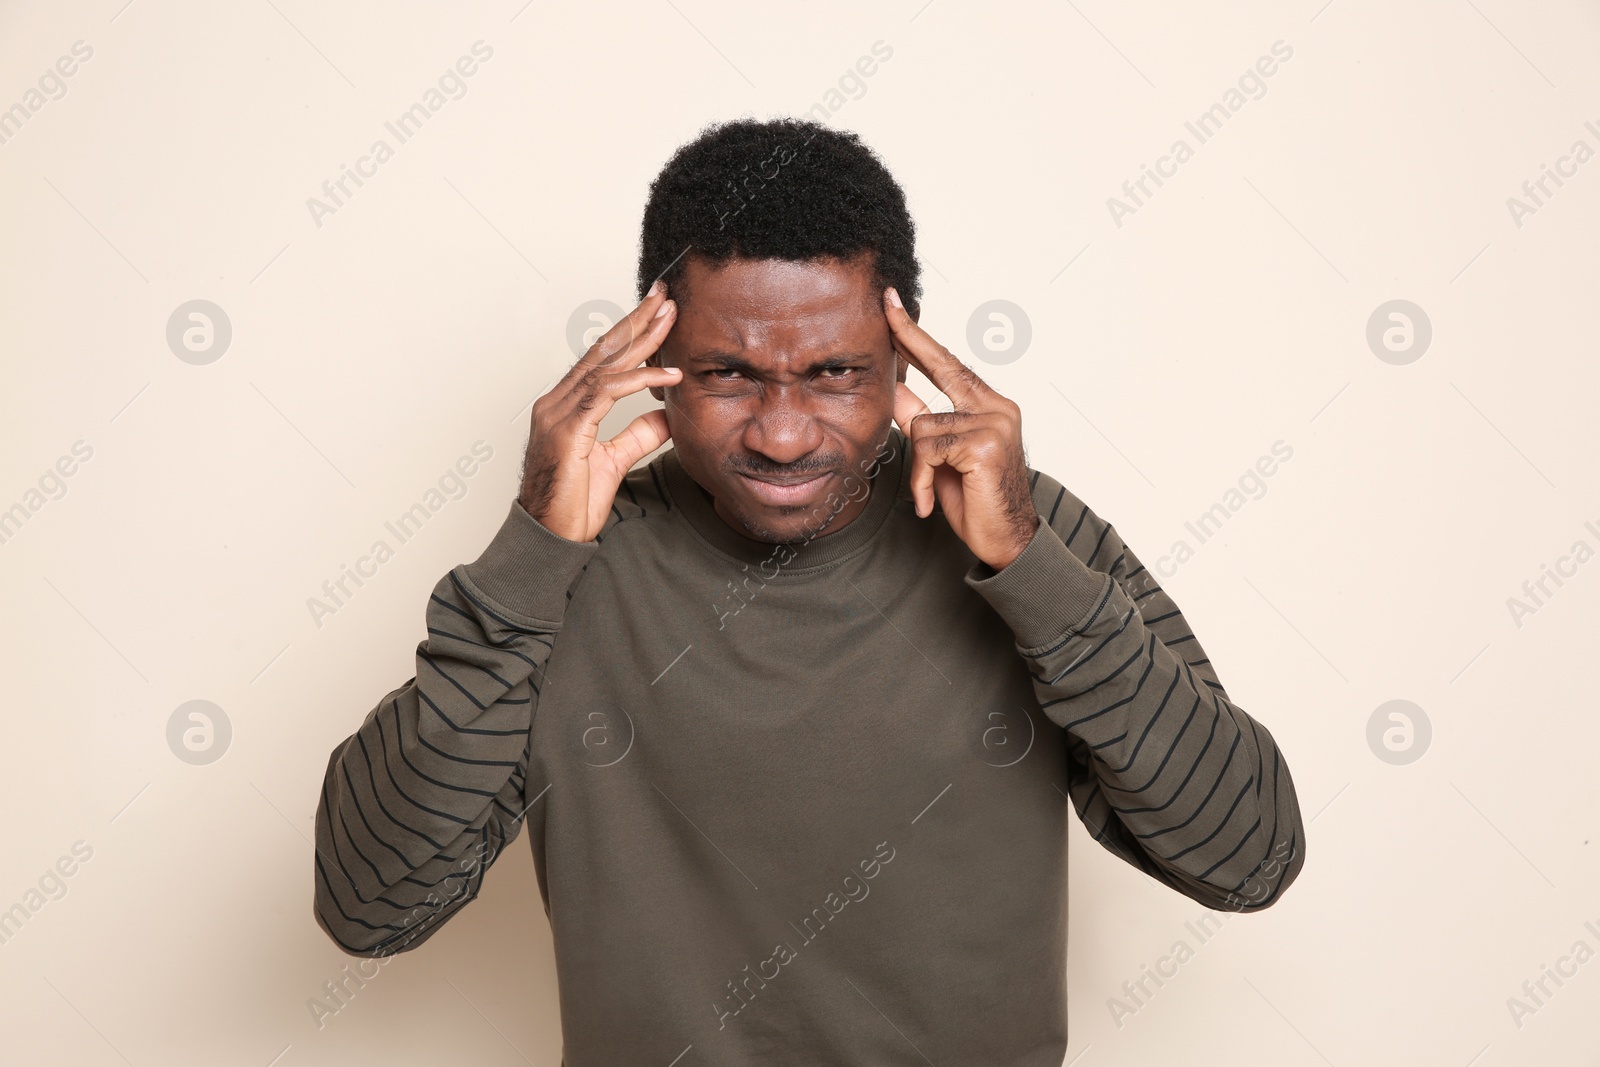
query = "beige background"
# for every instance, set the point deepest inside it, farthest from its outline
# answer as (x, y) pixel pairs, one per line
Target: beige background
(1168, 353)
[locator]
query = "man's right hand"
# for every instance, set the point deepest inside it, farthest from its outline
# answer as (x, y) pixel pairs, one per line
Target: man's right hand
(570, 478)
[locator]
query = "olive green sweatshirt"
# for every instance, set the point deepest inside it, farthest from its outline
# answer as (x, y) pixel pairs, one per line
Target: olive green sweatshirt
(807, 803)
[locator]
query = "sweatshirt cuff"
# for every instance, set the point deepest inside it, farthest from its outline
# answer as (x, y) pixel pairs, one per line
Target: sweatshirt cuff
(527, 570)
(1045, 592)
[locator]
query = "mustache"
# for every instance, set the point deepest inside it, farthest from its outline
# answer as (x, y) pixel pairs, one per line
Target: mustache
(811, 465)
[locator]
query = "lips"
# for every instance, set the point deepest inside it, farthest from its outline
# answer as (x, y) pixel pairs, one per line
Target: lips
(791, 490)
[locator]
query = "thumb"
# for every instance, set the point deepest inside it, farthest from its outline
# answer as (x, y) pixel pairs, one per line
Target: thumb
(637, 440)
(907, 406)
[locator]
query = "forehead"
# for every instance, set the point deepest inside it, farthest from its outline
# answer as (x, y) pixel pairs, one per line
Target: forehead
(761, 303)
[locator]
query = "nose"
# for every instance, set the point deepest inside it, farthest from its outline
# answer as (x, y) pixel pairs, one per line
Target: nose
(781, 428)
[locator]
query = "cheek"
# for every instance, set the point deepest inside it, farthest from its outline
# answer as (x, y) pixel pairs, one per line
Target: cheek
(854, 416)
(701, 422)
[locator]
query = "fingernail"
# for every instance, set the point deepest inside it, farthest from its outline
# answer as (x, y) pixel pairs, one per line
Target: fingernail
(662, 310)
(655, 287)
(894, 298)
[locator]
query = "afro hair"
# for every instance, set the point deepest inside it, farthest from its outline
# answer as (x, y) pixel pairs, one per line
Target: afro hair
(787, 189)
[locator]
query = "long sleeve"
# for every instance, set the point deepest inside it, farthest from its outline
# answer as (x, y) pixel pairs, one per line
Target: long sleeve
(428, 791)
(1165, 771)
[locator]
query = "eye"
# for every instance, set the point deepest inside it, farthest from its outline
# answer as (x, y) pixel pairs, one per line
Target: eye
(842, 372)
(717, 374)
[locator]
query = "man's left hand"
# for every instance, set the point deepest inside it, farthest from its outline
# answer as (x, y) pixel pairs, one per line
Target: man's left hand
(969, 459)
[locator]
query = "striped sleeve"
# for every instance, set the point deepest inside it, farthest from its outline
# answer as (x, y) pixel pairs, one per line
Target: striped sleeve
(431, 788)
(1164, 769)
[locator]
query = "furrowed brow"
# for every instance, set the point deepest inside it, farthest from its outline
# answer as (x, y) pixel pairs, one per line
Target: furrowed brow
(727, 361)
(720, 359)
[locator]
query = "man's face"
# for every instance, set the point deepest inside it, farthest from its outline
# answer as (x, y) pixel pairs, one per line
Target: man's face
(788, 390)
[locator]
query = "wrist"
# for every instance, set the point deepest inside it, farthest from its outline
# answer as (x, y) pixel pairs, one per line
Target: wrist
(1020, 545)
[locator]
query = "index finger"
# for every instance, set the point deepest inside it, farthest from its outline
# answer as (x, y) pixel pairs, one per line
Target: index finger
(966, 390)
(627, 332)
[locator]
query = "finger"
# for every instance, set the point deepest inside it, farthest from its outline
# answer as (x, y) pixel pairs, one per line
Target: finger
(637, 440)
(577, 387)
(967, 443)
(970, 444)
(948, 374)
(917, 421)
(632, 346)
(907, 406)
(929, 422)
(585, 416)
(961, 451)
(623, 333)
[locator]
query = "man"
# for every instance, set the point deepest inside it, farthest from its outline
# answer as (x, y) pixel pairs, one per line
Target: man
(792, 712)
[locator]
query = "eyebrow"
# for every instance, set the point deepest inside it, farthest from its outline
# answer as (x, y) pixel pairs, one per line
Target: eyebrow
(728, 361)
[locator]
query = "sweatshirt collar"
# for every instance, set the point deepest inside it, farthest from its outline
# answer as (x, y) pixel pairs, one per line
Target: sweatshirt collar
(887, 485)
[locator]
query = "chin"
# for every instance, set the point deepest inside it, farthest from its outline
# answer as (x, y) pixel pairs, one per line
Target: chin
(776, 530)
